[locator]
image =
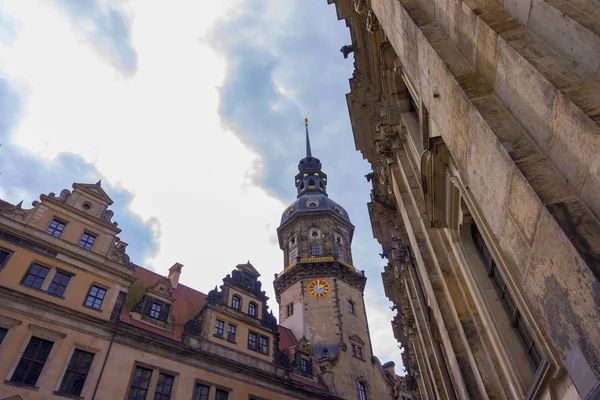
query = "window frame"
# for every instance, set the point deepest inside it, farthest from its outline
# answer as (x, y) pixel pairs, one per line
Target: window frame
(264, 345)
(55, 229)
(9, 254)
(64, 273)
(88, 295)
(221, 330)
(89, 234)
(26, 275)
(59, 388)
(255, 306)
(137, 366)
(155, 309)
(219, 391)
(164, 396)
(351, 307)
(315, 250)
(234, 333)
(13, 370)
(236, 298)
(255, 341)
(290, 309)
(197, 396)
(361, 388)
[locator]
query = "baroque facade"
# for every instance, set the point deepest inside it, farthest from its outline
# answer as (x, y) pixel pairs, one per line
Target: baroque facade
(79, 320)
(480, 121)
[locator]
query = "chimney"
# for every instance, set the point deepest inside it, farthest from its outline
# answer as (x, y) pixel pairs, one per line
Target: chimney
(174, 273)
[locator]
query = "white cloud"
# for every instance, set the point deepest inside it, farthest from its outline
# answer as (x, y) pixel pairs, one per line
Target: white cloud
(156, 132)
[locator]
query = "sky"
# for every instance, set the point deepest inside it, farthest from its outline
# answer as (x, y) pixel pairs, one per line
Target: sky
(192, 114)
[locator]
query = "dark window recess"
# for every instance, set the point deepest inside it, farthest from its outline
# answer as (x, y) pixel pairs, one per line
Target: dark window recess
(219, 327)
(77, 372)
(263, 345)
(290, 309)
(351, 307)
(222, 395)
(304, 365)
(353, 350)
(311, 182)
(30, 366)
(59, 284)
(231, 333)
(164, 386)
(252, 339)
(156, 309)
(139, 384)
(3, 257)
(413, 107)
(236, 302)
(95, 297)
(252, 309)
(523, 331)
(316, 251)
(27, 243)
(340, 253)
(86, 241)
(56, 228)
(201, 392)
(3, 332)
(359, 352)
(35, 276)
(362, 391)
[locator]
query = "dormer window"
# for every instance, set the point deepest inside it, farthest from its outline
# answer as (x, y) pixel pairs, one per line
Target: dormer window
(252, 309)
(155, 310)
(236, 302)
(87, 240)
(56, 227)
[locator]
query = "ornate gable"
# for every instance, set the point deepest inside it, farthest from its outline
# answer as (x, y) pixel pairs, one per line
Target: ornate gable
(304, 346)
(356, 339)
(95, 190)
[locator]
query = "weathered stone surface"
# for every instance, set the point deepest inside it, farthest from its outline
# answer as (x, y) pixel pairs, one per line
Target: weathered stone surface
(523, 205)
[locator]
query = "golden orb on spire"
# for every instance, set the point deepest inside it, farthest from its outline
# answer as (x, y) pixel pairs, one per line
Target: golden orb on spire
(305, 121)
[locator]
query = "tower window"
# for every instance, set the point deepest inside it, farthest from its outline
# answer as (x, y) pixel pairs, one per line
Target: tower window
(340, 252)
(293, 255)
(311, 183)
(321, 185)
(316, 251)
(314, 233)
(351, 307)
(290, 309)
(362, 391)
(236, 302)
(252, 309)
(302, 186)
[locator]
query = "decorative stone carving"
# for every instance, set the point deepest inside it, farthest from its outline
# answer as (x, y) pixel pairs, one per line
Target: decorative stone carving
(360, 6)
(400, 255)
(372, 22)
(107, 216)
(17, 212)
(63, 197)
(117, 252)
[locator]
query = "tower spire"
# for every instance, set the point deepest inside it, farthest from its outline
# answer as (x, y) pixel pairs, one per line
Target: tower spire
(308, 152)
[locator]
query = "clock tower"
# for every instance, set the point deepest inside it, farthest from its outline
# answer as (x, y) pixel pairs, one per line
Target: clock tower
(320, 291)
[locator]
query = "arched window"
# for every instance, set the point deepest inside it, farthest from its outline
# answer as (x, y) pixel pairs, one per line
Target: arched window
(340, 251)
(236, 302)
(362, 391)
(252, 309)
(316, 251)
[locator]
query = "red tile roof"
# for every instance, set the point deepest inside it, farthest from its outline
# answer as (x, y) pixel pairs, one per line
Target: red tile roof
(286, 338)
(188, 302)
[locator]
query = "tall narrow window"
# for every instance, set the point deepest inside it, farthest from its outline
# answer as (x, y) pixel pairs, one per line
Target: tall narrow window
(95, 297)
(293, 256)
(201, 392)
(362, 391)
(290, 309)
(56, 228)
(252, 339)
(59, 284)
(36, 274)
(86, 241)
(353, 350)
(236, 302)
(263, 345)
(219, 327)
(304, 365)
(252, 309)
(222, 395)
(139, 384)
(350, 307)
(340, 252)
(77, 372)
(30, 366)
(164, 386)
(316, 251)
(359, 352)
(231, 333)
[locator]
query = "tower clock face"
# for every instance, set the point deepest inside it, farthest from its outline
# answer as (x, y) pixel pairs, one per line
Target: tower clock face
(318, 288)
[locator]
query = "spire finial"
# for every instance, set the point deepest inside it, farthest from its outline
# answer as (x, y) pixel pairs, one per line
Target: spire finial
(308, 152)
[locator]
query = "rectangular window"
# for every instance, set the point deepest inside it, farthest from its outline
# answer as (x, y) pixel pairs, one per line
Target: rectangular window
(219, 327)
(3, 258)
(303, 365)
(139, 384)
(155, 310)
(56, 228)
(290, 309)
(293, 256)
(316, 251)
(201, 392)
(231, 333)
(252, 339)
(86, 241)
(222, 395)
(30, 366)
(340, 252)
(263, 345)
(164, 386)
(351, 307)
(36, 274)
(353, 350)
(3, 332)
(359, 352)
(95, 297)
(77, 372)
(59, 284)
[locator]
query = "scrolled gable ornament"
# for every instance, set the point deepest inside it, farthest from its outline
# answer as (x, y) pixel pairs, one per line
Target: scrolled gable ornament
(372, 22)
(360, 6)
